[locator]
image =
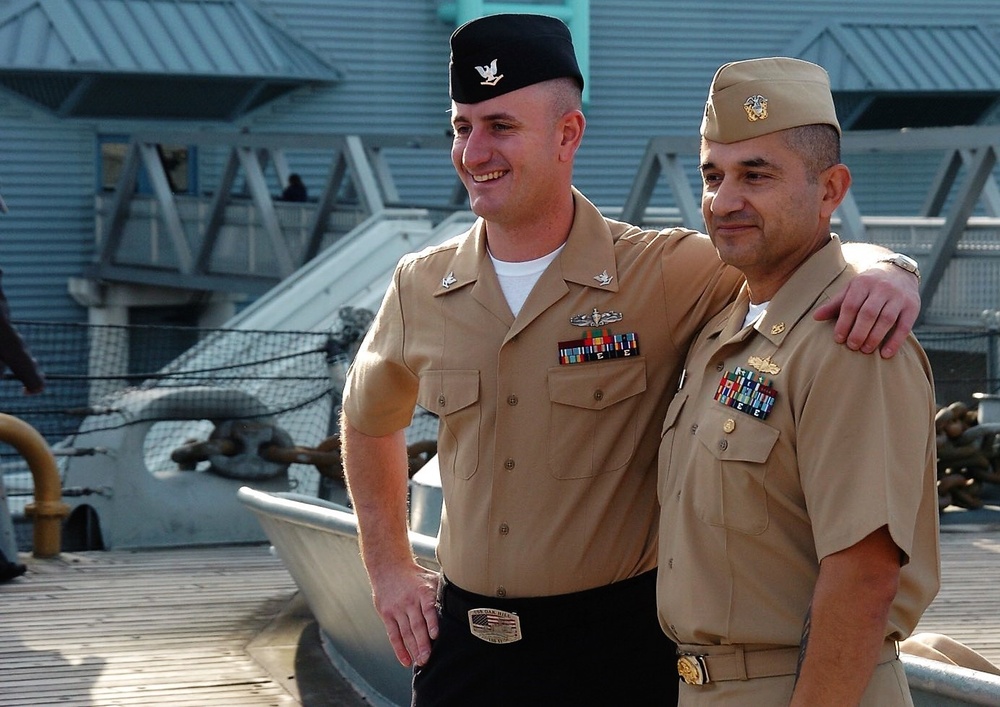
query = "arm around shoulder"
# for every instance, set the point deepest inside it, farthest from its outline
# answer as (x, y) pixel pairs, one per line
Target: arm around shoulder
(878, 308)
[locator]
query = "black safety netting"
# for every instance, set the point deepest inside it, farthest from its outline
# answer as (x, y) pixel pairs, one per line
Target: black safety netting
(181, 384)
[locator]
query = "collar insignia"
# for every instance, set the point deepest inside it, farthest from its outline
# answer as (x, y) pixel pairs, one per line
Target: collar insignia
(763, 365)
(603, 279)
(756, 108)
(489, 74)
(448, 280)
(595, 318)
(778, 328)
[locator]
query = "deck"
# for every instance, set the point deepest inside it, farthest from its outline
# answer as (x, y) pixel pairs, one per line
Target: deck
(196, 626)
(226, 626)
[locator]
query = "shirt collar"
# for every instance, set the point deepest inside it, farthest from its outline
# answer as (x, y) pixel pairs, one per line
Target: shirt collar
(588, 258)
(794, 300)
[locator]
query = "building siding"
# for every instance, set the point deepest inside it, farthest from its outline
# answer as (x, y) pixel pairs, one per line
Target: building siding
(650, 65)
(47, 180)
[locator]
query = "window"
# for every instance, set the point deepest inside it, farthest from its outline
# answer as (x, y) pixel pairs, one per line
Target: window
(179, 164)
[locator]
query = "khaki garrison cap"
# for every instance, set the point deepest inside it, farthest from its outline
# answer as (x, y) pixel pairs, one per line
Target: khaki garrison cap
(756, 97)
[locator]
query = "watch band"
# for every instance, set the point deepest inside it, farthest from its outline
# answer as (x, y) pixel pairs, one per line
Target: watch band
(903, 261)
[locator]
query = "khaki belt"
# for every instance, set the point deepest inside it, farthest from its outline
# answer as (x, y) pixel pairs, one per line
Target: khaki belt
(739, 664)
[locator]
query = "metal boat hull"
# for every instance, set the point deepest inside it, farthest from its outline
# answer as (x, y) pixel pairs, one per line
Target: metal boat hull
(317, 541)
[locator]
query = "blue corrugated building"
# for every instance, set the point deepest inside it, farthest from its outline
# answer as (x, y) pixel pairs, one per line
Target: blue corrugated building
(79, 79)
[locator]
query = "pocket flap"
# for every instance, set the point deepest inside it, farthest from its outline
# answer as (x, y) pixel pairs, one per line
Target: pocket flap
(444, 392)
(734, 436)
(596, 386)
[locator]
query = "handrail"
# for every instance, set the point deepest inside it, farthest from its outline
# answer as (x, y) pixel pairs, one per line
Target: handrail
(48, 510)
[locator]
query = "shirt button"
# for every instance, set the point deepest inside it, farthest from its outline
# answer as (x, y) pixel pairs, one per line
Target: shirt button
(512, 400)
(501, 591)
(508, 464)
(442, 400)
(723, 445)
(598, 395)
(504, 529)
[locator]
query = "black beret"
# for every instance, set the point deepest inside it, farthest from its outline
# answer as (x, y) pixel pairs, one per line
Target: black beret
(497, 54)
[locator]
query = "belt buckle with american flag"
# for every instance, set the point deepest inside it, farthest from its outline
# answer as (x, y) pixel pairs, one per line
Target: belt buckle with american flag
(494, 625)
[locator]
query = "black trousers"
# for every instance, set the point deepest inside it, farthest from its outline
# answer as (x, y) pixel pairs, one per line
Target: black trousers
(600, 647)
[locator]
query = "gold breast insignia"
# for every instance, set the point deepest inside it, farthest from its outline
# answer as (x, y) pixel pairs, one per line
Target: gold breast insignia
(764, 365)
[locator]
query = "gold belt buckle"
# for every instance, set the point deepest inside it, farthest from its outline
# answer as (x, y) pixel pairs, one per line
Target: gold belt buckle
(494, 625)
(692, 669)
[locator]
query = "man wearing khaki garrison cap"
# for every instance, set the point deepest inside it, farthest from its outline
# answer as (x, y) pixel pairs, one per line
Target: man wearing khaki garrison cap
(798, 533)
(546, 339)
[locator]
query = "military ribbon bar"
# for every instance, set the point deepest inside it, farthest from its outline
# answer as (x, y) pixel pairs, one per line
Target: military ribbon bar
(743, 391)
(598, 345)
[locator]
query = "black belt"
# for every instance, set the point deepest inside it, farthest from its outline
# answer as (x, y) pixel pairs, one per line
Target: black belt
(498, 620)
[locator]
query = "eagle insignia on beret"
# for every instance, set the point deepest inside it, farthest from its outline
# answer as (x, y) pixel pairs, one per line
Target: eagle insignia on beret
(489, 74)
(756, 108)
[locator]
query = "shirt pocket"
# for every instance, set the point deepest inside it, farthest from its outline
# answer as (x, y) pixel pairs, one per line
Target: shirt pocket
(594, 416)
(731, 491)
(454, 397)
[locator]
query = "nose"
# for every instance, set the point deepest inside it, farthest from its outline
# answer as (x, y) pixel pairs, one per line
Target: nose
(476, 149)
(724, 198)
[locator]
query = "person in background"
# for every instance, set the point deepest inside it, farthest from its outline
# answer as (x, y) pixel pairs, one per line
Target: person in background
(296, 189)
(14, 354)
(799, 523)
(546, 339)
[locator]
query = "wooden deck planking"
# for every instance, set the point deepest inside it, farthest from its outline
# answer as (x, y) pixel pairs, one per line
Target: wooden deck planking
(177, 627)
(965, 608)
(165, 627)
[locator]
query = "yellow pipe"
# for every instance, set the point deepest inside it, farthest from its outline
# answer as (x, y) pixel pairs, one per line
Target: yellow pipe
(48, 510)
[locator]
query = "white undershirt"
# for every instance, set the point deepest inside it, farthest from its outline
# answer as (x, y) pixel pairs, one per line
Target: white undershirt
(518, 279)
(756, 311)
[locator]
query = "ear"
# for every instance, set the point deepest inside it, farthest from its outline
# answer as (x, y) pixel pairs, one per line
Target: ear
(570, 131)
(834, 181)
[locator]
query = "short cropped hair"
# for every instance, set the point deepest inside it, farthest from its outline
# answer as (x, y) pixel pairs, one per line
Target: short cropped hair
(566, 95)
(818, 145)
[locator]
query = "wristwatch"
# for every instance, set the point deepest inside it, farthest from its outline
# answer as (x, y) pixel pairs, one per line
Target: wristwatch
(903, 261)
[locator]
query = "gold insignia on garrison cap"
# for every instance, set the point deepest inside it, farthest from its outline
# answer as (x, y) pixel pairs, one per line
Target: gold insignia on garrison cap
(756, 108)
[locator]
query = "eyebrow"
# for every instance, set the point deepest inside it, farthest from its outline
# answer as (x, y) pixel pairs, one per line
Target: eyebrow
(754, 162)
(506, 117)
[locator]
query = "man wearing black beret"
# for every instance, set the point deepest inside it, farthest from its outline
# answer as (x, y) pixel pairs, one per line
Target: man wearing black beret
(546, 339)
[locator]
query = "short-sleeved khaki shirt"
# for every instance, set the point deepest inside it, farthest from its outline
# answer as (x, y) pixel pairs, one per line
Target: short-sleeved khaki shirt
(548, 467)
(753, 499)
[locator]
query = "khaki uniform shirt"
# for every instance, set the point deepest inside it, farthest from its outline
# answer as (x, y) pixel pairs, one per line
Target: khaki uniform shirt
(751, 504)
(548, 469)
